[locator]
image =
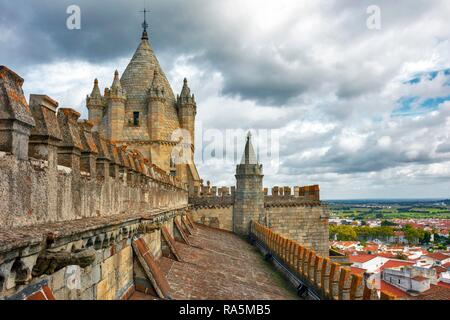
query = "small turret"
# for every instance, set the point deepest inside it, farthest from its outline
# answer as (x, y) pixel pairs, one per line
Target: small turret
(187, 110)
(116, 98)
(156, 103)
(116, 90)
(95, 104)
(157, 88)
(185, 97)
(249, 194)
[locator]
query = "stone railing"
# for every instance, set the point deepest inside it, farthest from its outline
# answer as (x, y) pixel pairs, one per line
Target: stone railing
(329, 280)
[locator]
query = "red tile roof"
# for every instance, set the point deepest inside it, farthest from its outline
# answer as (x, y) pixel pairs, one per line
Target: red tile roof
(395, 264)
(362, 258)
(438, 256)
(392, 290)
(386, 255)
(419, 278)
(372, 247)
(434, 293)
(443, 284)
(439, 270)
(357, 270)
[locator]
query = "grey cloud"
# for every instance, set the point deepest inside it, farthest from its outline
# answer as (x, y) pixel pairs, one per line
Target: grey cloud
(110, 29)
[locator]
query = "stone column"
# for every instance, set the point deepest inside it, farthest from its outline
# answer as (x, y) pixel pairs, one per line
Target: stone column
(89, 152)
(69, 150)
(125, 168)
(115, 161)
(15, 116)
(45, 136)
(132, 173)
(44, 140)
(103, 157)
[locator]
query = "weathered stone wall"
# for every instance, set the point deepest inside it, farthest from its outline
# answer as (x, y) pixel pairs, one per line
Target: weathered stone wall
(31, 192)
(308, 225)
(111, 274)
(71, 202)
(216, 217)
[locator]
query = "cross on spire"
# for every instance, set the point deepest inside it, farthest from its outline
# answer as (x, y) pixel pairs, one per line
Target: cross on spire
(144, 25)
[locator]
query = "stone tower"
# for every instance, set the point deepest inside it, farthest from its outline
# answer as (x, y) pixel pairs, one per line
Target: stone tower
(116, 98)
(140, 111)
(249, 195)
(187, 110)
(95, 105)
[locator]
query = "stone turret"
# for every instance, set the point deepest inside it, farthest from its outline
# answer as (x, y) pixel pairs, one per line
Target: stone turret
(187, 110)
(116, 98)
(249, 195)
(95, 105)
(156, 103)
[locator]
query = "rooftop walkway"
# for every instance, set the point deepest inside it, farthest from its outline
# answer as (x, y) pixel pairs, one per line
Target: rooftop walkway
(220, 265)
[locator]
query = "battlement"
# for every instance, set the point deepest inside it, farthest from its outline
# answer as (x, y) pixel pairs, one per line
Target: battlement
(55, 167)
(306, 192)
(278, 194)
(326, 279)
(213, 191)
(208, 196)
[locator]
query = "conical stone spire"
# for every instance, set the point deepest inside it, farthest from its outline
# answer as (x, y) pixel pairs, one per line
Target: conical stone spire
(116, 82)
(249, 156)
(116, 87)
(186, 91)
(138, 77)
(95, 90)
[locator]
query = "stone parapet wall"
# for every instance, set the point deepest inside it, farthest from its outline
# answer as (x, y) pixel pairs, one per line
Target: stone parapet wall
(220, 217)
(328, 279)
(306, 224)
(54, 168)
(306, 193)
(212, 202)
(97, 261)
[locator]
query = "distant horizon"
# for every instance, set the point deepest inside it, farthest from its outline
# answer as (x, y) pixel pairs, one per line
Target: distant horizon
(390, 199)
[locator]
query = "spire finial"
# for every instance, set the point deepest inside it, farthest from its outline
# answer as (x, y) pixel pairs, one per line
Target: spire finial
(144, 25)
(249, 136)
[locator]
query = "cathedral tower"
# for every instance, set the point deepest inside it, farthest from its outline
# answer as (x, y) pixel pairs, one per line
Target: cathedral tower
(141, 111)
(116, 98)
(249, 195)
(95, 105)
(187, 110)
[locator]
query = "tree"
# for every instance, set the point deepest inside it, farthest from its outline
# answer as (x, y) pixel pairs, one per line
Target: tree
(426, 237)
(412, 234)
(344, 233)
(386, 223)
(401, 256)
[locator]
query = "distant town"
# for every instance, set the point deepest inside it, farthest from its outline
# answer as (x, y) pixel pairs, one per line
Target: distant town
(401, 247)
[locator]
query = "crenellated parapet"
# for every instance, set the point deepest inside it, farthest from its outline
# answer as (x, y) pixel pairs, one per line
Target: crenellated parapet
(318, 275)
(212, 197)
(55, 167)
(305, 192)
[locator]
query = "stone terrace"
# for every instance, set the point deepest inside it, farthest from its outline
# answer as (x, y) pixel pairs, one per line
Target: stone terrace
(220, 265)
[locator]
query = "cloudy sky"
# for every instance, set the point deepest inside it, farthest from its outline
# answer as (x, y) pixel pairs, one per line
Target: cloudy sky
(363, 112)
